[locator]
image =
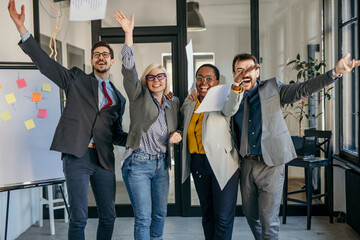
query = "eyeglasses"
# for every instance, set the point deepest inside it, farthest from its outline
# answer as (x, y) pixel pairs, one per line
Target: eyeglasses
(207, 79)
(104, 54)
(159, 76)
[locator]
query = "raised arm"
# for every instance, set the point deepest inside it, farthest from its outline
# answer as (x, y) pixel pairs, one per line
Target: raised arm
(18, 19)
(290, 93)
(47, 66)
(344, 66)
(127, 25)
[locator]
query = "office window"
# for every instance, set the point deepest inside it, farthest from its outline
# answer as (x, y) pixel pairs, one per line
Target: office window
(349, 85)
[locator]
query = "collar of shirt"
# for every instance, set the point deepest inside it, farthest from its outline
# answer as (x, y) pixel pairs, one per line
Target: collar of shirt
(165, 104)
(107, 82)
(253, 91)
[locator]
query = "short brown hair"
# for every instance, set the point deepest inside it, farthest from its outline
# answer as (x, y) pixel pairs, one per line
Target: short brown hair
(242, 57)
(102, 44)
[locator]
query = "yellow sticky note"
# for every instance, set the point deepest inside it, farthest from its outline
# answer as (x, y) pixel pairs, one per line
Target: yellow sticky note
(5, 116)
(36, 97)
(29, 124)
(46, 87)
(10, 98)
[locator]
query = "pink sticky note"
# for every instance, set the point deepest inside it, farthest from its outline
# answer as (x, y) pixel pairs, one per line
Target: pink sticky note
(21, 83)
(42, 113)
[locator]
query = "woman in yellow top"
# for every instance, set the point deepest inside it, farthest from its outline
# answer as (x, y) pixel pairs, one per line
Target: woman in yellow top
(209, 153)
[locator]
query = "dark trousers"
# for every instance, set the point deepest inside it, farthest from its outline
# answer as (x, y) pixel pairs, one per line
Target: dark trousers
(218, 207)
(78, 173)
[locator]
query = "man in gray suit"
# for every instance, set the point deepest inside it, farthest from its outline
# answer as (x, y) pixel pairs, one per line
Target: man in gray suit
(265, 144)
(89, 126)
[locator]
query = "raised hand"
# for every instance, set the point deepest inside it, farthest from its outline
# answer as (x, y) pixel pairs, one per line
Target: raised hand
(344, 66)
(238, 79)
(126, 24)
(18, 19)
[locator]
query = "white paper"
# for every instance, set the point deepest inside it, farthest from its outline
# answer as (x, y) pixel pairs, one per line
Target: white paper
(85, 10)
(190, 60)
(214, 99)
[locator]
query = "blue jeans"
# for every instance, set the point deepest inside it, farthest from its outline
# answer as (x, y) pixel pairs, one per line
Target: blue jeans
(78, 172)
(217, 206)
(147, 182)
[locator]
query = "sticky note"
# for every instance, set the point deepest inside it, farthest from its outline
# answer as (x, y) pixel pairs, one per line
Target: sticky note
(10, 98)
(42, 113)
(0, 86)
(46, 87)
(21, 83)
(36, 97)
(5, 116)
(29, 124)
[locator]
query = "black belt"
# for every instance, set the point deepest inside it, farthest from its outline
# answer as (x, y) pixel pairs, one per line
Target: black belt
(256, 158)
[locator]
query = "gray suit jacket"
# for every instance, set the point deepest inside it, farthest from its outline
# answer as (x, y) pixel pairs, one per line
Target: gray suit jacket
(144, 111)
(81, 119)
(276, 144)
(217, 141)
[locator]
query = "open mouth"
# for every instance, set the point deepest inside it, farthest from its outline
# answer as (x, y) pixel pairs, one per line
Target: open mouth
(246, 80)
(156, 85)
(204, 89)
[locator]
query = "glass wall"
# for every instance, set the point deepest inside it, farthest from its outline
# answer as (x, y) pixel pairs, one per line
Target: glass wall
(227, 34)
(349, 107)
(288, 28)
(145, 54)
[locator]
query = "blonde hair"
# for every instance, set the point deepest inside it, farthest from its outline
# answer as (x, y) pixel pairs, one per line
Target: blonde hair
(149, 69)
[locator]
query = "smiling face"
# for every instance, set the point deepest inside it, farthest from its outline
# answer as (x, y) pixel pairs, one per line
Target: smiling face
(100, 63)
(208, 80)
(156, 86)
(249, 79)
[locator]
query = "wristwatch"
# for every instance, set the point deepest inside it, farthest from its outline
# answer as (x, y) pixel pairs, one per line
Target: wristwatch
(334, 75)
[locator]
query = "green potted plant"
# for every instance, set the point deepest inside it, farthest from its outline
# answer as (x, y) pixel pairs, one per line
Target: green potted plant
(305, 70)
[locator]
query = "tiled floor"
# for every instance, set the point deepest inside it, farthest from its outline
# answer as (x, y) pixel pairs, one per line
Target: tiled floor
(182, 228)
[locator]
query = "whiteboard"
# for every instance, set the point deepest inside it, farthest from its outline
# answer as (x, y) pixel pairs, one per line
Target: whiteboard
(29, 112)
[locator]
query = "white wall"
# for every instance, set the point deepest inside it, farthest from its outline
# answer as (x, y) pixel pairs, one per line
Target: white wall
(225, 42)
(24, 204)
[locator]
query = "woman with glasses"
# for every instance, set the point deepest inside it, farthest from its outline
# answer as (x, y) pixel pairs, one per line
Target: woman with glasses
(209, 153)
(153, 125)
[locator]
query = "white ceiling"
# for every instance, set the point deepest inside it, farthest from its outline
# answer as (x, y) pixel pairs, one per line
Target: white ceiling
(214, 12)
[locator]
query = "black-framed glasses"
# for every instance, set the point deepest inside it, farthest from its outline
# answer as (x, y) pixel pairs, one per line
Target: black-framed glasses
(159, 76)
(207, 79)
(104, 54)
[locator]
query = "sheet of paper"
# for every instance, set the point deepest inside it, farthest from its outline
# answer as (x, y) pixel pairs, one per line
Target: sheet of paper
(42, 113)
(5, 116)
(86, 10)
(214, 99)
(10, 98)
(29, 124)
(46, 87)
(36, 97)
(21, 83)
(190, 60)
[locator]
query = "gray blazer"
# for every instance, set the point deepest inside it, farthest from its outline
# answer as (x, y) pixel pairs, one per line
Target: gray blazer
(276, 144)
(144, 111)
(81, 119)
(217, 141)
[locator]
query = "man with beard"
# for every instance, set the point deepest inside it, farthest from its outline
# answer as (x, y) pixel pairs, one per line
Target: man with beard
(89, 126)
(263, 138)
